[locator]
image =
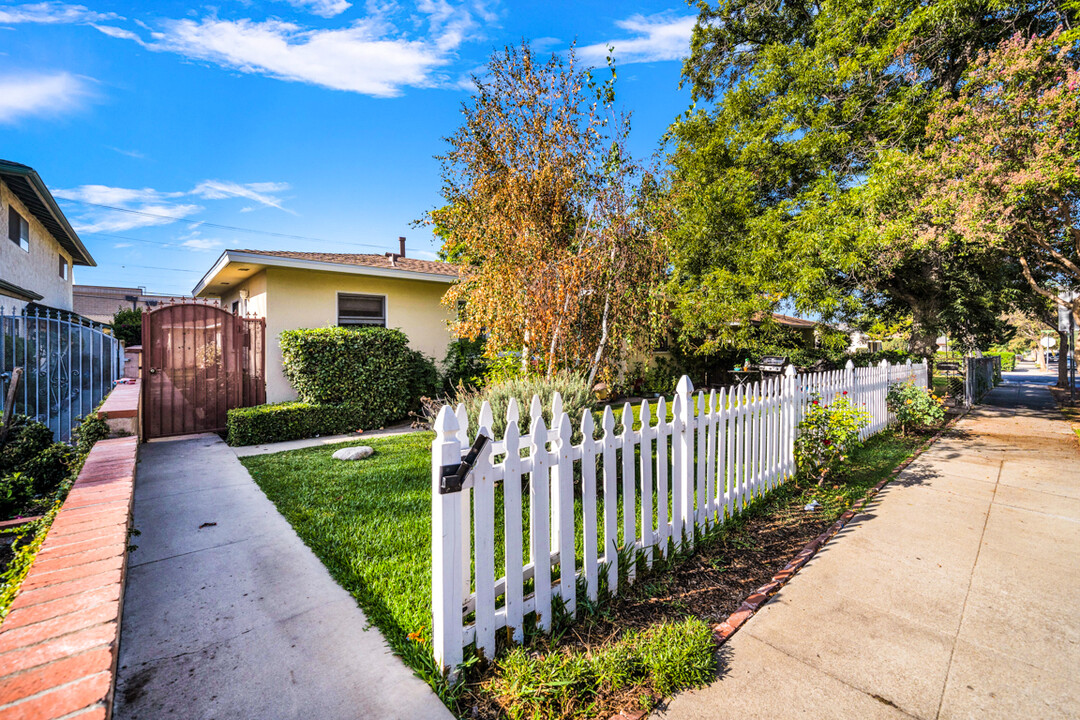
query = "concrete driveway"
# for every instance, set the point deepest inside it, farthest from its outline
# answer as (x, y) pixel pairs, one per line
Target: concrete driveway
(228, 615)
(955, 595)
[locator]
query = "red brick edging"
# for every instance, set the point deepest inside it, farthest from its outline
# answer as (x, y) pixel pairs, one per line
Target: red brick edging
(58, 644)
(724, 630)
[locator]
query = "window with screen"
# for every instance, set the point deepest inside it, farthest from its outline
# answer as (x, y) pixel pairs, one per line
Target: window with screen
(63, 267)
(359, 310)
(18, 229)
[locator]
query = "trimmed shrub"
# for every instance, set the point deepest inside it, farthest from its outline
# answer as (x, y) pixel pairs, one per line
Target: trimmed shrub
(423, 376)
(372, 368)
(296, 420)
(1008, 359)
(16, 494)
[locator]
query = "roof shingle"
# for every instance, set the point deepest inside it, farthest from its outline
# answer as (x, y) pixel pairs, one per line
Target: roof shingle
(377, 261)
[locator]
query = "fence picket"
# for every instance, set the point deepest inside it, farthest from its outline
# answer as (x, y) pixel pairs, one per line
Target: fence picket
(698, 501)
(539, 521)
(663, 431)
(588, 503)
(646, 461)
(710, 463)
(611, 531)
(513, 535)
(484, 530)
(629, 510)
(565, 519)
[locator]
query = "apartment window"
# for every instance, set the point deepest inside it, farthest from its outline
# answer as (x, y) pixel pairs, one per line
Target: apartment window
(357, 310)
(236, 307)
(63, 267)
(18, 229)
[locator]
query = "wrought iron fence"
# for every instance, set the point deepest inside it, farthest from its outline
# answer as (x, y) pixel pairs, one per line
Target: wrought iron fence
(69, 365)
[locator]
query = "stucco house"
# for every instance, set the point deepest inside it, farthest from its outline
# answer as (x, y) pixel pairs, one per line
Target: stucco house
(38, 246)
(309, 290)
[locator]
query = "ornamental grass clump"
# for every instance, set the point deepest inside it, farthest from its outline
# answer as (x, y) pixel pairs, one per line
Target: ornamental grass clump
(827, 436)
(570, 386)
(914, 406)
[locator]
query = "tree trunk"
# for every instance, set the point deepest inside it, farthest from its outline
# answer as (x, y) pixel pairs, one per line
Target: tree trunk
(1063, 359)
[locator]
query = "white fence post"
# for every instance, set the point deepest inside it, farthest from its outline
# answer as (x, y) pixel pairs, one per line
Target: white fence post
(685, 473)
(446, 531)
(513, 534)
(629, 509)
(484, 532)
(789, 405)
(611, 503)
(588, 503)
(540, 520)
(646, 461)
(564, 480)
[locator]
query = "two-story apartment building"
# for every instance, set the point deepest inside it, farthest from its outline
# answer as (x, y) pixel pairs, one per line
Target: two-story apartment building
(38, 246)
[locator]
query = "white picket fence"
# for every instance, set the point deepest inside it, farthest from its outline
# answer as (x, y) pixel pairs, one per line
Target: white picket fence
(680, 476)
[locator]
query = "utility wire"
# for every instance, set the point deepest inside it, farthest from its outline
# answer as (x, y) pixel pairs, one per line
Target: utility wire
(213, 225)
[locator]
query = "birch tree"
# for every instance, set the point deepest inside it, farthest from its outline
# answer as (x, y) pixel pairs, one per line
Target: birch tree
(556, 230)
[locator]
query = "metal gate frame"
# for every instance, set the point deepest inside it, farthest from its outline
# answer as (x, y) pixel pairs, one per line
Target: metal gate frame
(199, 362)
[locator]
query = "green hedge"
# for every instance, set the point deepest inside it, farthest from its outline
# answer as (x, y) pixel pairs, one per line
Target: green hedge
(372, 367)
(296, 420)
(1008, 359)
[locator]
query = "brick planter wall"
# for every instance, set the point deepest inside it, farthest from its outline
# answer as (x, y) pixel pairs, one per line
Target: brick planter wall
(58, 644)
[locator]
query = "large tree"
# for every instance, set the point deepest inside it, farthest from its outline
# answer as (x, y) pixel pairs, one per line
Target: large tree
(555, 228)
(1000, 167)
(795, 103)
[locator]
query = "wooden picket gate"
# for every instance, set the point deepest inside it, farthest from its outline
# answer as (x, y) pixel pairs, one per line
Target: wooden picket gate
(199, 362)
(716, 455)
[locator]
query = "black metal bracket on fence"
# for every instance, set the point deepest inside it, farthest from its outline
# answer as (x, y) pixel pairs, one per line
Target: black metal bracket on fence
(454, 475)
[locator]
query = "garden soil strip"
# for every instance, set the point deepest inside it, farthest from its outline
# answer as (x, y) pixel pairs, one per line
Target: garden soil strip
(724, 630)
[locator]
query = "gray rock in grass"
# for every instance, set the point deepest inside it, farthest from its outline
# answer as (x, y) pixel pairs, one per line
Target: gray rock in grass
(353, 453)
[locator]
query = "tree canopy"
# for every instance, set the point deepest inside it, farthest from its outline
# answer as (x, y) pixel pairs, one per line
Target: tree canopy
(779, 178)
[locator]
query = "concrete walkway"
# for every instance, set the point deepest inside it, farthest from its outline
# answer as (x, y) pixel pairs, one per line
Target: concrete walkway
(270, 448)
(955, 595)
(228, 615)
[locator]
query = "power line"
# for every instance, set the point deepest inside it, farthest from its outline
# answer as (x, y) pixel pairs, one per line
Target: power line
(214, 225)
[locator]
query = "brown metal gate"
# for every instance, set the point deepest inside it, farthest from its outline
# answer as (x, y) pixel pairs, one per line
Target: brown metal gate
(199, 361)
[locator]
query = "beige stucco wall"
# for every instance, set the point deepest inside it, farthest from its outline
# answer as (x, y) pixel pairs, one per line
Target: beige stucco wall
(37, 270)
(290, 299)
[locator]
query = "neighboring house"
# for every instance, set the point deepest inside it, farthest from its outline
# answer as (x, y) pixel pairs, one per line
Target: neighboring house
(309, 290)
(100, 303)
(38, 246)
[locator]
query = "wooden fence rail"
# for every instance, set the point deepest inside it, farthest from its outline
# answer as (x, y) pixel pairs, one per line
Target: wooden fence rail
(654, 483)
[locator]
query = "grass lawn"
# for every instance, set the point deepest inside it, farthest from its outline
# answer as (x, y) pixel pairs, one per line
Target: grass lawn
(370, 523)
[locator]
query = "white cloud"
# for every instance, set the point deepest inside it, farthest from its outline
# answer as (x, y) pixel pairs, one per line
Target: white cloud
(360, 58)
(262, 193)
(201, 244)
(30, 94)
(653, 38)
(100, 220)
(116, 32)
(51, 13)
(322, 8)
(105, 195)
(106, 209)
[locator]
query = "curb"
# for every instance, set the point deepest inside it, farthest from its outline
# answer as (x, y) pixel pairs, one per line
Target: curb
(724, 630)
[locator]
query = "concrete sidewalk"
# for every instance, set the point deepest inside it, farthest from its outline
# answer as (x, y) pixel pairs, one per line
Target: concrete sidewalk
(955, 595)
(228, 615)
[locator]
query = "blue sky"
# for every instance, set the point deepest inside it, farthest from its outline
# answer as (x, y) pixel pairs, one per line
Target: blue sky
(311, 118)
